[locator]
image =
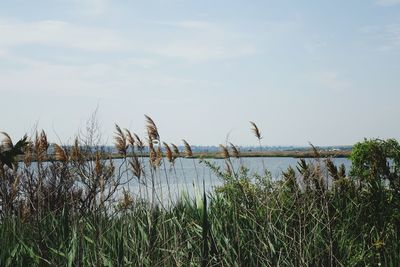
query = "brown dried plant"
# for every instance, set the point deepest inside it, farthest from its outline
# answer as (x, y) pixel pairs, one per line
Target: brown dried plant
(130, 138)
(332, 169)
(28, 155)
(168, 153)
(135, 163)
(139, 142)
(159, 156)
(152, 154)
(152, 130)
(256, 131)
(41, 146)
(120, 141)
(98, 165)
(235, 151)
(188, 149)
(6, 143)
(76, 151)
(316, 153)
(224, 152)
(176, 150)
(59, 153)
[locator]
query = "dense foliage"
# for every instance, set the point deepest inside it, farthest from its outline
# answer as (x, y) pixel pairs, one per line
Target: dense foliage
(67, 212)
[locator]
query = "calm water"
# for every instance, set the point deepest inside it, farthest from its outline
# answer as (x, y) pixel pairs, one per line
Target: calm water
(190, 174)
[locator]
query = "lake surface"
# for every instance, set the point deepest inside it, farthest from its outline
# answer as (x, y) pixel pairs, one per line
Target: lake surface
(190, 174)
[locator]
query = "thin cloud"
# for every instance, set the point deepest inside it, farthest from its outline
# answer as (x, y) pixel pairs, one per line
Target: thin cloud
(391, 37)
(199, 51)
(92, 7)
(61, 34)
(201, 41)
(387, 2)
(198, 42)
(186, 24)
(330, 80)
(385, 38)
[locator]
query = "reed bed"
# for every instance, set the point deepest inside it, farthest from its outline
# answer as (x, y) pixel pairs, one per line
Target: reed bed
(71, 206)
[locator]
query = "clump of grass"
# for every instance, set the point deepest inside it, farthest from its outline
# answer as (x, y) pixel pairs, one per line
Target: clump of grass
(69, 204)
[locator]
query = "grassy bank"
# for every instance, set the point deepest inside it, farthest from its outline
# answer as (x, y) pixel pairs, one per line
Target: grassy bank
(217, 155)
(75, 212)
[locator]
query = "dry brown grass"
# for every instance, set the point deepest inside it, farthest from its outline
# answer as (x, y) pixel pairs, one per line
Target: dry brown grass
(188, 149)
(255, 130)
(120, 141)
(224, 152)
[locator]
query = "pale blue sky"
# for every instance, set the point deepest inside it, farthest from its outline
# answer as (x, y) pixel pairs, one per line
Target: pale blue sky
(321, 71)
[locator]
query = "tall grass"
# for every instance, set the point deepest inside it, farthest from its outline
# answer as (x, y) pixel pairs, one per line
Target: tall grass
(73, 207)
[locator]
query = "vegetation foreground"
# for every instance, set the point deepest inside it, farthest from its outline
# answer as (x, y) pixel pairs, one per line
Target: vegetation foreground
(64, 209)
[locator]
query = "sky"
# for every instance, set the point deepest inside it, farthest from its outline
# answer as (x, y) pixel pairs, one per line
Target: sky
(325, 72)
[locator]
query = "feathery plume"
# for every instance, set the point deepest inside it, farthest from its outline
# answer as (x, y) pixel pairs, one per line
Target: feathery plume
(135, 163)
(168, 153)
(224, 152)
(255, 130)
(28, 155)
(76, 151)
(41, 146)
(235, 151)
(130, 138)
(152, 130)
(176, 150)
(98, 166)
(120, 141)
(188, 149)
(60, 153)
(139, 142)
(315, 151)
(6, 143)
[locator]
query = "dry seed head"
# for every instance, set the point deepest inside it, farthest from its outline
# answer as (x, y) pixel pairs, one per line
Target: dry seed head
(152, 155)
(60, 153)
(120, 140)
(176, 150)
(41, 145)
(135, 163)
(126, 201)
(315, 151)
(332, 169)
(224, 152)
(159, 156)
(152, 130)
(130, 138)
(235, 151)
(6, 143)
(255, 130)
(76, 151)
(43, 141)
(111, 167)
(168, 153)
(188, 149)
(139, 142)
(28, 155)
(98, 166)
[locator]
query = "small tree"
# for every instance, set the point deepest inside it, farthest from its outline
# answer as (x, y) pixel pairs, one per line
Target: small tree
(377, 162)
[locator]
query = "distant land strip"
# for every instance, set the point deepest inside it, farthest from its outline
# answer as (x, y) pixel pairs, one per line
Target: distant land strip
(218, 155)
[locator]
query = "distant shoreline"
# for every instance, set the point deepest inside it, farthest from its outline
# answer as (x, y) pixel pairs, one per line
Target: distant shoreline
(266, 154)
(246, 154)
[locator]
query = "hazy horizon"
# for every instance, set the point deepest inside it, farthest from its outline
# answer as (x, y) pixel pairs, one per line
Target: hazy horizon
(321, 72)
